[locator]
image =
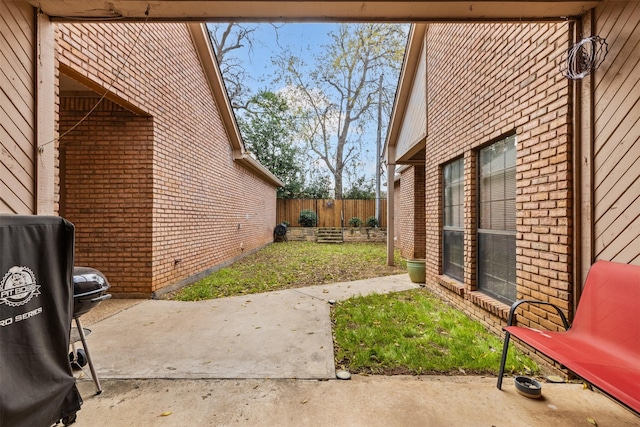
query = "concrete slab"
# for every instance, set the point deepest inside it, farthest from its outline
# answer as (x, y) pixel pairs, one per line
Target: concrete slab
(274, 335)
(362, 401)
(283, 334)
(230, 362)
(346, 290)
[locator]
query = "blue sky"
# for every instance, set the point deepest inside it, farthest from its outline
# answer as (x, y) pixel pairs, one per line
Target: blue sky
(304, 40)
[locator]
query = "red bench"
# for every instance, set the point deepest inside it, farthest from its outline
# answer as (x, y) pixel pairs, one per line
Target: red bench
(602, 346)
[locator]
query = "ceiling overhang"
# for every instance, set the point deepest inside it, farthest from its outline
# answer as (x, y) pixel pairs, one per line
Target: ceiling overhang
(305, 10)
(416, 155)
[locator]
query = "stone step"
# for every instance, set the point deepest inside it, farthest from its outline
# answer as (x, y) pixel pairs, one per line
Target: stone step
(329, 235)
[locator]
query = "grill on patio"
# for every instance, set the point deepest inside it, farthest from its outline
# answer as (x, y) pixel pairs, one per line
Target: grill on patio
(89, 289)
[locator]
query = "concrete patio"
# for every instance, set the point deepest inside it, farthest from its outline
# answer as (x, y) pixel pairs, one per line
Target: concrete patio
(267, 360)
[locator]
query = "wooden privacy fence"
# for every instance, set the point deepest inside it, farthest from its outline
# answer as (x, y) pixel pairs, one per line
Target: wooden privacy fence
(328, 211)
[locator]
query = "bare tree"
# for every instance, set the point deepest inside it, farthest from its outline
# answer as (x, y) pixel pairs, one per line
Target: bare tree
(337, 94)
(228, 39)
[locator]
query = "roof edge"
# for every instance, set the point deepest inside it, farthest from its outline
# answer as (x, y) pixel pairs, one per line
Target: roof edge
(204, 49)
(405, 83)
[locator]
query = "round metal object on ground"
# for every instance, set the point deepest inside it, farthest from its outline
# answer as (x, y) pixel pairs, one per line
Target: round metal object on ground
(343, 375)
(528, 387)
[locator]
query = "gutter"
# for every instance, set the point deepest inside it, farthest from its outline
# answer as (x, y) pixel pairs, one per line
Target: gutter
(249, 162)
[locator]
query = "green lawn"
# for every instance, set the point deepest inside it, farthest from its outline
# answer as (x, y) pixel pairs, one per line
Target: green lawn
(293, 265)
(413, 332)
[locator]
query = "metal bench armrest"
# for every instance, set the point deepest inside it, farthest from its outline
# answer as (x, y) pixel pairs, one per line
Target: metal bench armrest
(515, 305)
(507, 335)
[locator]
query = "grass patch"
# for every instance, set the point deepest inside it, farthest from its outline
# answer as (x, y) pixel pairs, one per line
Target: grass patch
(413, 332)
(292, 265)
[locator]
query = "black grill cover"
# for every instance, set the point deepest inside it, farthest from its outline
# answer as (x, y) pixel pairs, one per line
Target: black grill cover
(37, 387)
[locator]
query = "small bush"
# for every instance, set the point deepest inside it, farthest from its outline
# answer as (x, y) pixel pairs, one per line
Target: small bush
(355, 222)
(308, 218)
(285, 223)
(372, 221)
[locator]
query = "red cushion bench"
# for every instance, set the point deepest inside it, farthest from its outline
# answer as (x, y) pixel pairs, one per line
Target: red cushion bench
(602, 346)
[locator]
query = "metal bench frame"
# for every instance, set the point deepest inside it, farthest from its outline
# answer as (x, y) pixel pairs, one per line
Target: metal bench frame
(602, 345)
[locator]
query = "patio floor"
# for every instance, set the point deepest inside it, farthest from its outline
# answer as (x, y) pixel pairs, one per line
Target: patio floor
(267, 360)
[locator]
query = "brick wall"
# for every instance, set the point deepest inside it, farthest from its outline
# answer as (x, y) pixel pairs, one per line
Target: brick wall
(407, 196)
(412, 213)
(205, 208)
(107, 190)
(397, 206)
(487, 81)
(419, 231)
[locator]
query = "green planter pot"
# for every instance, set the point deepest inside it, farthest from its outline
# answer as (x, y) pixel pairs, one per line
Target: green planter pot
(415, 267)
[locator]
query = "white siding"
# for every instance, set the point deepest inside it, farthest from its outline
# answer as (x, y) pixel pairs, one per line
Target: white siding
(414, 125)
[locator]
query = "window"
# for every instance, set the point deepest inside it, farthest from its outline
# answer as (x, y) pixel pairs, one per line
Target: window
(497, 220)
(453, 225)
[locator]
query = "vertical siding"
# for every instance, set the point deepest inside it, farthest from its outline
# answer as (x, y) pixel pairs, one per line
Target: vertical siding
(616, 161)
(414, 125)
(17, 94)
(329, 211)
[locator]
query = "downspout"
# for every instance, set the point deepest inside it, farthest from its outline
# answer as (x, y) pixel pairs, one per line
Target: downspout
(576, 29)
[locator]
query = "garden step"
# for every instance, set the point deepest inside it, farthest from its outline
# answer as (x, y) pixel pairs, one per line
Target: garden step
(329, 235)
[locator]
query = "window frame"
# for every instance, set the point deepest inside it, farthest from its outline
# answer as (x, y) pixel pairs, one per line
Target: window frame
(452, 228)
(506, 232)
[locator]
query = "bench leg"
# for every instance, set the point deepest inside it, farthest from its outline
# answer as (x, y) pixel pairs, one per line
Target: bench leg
(507, 336)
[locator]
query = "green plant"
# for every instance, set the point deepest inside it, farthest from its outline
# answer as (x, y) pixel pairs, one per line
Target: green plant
(372, 221)
(285, 223)
(308, 218)
(355, 222)
(293, 265)
(414, 332)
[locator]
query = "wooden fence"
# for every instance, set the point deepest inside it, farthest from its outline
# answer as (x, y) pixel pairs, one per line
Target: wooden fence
(330, 211)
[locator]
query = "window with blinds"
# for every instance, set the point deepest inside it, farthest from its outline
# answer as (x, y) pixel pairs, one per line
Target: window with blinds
(453, 217)
(497, 220)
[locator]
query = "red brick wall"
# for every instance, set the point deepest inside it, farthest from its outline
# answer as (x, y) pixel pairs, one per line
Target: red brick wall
(107, 190)
(405, 203)
(205, 209)
(412, 212)
(485, 82)
(397, 206)
(419, 213)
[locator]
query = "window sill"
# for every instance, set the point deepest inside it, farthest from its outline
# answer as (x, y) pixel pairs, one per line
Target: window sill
(489, 304)
(451, 284)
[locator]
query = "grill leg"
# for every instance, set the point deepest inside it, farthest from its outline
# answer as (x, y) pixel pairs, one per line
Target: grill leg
(96, 381)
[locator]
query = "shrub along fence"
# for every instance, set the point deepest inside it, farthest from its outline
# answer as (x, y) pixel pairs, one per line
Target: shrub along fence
(330, 212)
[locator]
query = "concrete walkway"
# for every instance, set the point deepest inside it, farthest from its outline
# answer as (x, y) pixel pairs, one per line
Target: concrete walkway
(267, 360)
(283, 334)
